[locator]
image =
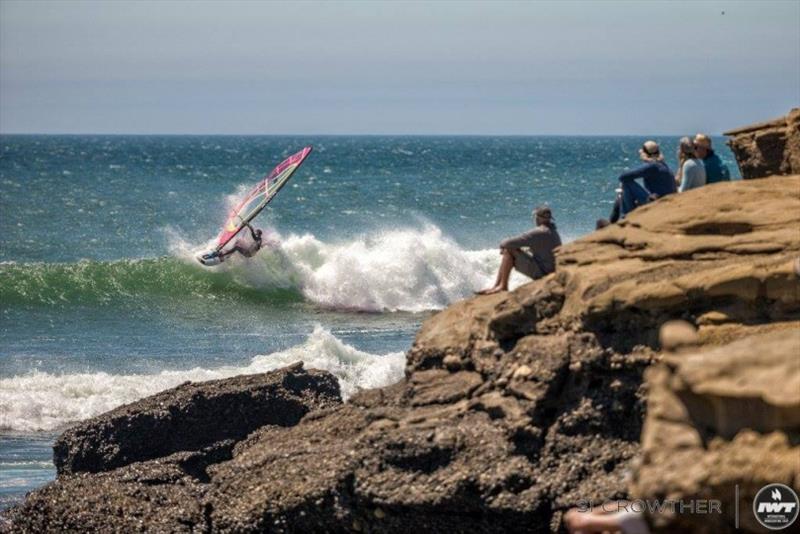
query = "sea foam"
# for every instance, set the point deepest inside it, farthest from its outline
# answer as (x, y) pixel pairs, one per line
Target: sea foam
(408, 270)
(40, 401)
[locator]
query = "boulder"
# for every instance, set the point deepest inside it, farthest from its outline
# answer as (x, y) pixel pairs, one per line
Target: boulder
(768, 148)
(720, 419)
(193, 416)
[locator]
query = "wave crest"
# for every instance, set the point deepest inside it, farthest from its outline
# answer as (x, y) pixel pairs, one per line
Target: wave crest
(399, 270)
(408, 270)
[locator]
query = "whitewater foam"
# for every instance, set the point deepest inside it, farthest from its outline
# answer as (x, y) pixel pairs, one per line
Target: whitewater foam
(410, 270)
(40, 401)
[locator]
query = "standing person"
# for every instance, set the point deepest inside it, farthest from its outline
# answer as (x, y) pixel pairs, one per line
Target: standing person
(716, 171)
(691, 172)
(655, 174)
(537, 261)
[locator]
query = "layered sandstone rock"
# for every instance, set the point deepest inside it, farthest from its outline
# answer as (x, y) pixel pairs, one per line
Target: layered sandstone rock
(768, 148)
(515, 406)
(718, 419)
(723, 257)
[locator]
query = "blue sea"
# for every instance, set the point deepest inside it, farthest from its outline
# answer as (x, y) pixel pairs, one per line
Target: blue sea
(102, 301)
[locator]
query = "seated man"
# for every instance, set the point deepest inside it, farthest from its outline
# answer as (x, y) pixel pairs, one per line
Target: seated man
(657, 178)
(538, 261)
(716, 171)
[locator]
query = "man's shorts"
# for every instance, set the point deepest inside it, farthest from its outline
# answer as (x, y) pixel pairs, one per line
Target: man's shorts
(524, 263)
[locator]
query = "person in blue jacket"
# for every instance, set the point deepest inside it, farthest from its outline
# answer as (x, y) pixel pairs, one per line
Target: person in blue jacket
(716, 171)
(656, 177)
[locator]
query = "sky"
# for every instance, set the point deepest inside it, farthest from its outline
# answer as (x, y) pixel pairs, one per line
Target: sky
(493, 68)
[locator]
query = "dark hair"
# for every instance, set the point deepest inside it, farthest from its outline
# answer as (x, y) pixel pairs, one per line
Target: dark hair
(545, 214)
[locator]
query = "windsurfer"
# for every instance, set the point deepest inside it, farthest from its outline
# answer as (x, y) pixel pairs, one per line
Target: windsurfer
(246, 247)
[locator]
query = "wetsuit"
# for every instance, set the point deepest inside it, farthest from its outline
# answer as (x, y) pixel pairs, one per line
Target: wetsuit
(246, 250)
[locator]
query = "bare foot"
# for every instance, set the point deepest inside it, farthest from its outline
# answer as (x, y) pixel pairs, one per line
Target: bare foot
(490, 291)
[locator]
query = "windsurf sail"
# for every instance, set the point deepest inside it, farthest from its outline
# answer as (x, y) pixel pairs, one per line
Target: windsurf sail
(258, 197)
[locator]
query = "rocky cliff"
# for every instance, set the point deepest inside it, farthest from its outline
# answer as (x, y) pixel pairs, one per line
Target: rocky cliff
(768, 148)
(720, 418)
(514, 408)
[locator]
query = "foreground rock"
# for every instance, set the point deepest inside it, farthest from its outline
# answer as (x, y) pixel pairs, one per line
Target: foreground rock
(143, 466)
(718, 419)
(473, 450)
(515, 406)
(768, 148)
(193, 416)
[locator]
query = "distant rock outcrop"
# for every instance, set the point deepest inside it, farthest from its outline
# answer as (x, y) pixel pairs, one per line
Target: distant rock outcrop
(768, 148)
(515, 406)
(720, 419)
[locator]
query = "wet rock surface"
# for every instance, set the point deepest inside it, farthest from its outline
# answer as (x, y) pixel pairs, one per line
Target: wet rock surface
(515, 406)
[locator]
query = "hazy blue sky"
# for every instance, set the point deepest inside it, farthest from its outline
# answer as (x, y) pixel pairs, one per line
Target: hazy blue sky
(400, 67)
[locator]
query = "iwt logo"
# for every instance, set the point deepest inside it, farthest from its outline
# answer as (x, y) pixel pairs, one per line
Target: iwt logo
(776, 506)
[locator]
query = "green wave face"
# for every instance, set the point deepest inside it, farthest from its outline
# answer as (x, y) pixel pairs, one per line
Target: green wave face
(98, 282)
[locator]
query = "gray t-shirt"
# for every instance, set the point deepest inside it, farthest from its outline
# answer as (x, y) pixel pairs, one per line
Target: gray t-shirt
(541, 241)
(694, 174)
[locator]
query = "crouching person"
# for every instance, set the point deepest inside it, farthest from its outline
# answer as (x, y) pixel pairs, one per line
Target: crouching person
(530, 253)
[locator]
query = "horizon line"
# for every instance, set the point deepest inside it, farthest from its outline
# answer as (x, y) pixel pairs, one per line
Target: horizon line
(122, 134)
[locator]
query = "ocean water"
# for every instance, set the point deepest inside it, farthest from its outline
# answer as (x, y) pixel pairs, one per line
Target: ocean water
(102, 301)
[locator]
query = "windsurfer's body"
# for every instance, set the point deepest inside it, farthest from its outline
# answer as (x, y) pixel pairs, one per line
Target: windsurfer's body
(244, 246)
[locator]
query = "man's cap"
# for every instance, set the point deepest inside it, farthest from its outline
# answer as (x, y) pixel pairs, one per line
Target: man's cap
(702, 140)
(651, 148)
(544, 212)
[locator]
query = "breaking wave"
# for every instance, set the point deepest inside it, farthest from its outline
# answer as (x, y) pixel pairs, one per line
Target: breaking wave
(40, 401)
(399, 270)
